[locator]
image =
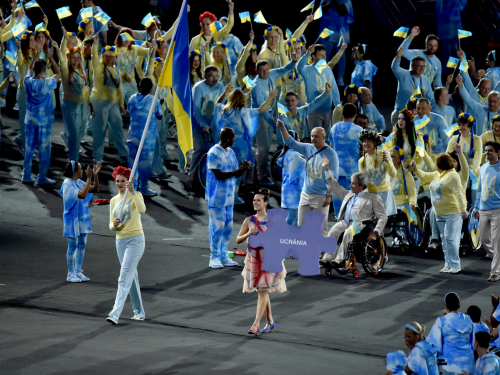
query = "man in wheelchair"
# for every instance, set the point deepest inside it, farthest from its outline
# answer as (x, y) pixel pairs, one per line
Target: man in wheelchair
(359, 209)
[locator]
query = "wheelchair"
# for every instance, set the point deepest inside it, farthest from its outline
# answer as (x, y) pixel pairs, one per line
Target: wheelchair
(398, 226)
(471, 239)
(276, 170)
(371, 254)
(202, 171)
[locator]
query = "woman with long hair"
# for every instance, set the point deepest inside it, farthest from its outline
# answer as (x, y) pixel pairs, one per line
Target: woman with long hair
(130, 244)
(244, 122)
(128, 53)
(377, 165)
(218, 58)
(254, 277)
(195, 64)
(293, 166)
(75, 98)
(76, 217)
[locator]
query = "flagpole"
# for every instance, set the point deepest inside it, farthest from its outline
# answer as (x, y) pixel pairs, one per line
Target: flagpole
(139, 150)
(251, 27)
(312, 10)
(99, 30)
(316, 40)
(60, 22)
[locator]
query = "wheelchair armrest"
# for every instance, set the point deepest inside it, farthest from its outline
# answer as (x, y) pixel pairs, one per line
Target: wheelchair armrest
(367, 221)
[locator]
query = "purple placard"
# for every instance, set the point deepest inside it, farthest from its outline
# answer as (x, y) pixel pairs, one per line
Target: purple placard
(305, 243)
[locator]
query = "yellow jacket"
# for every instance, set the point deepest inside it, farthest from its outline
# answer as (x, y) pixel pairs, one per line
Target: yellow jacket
(101, 91)
(407, 150)
(77, 78)
(380, 176)
(398, 188)
(198, 41)
(276, 58)
(131, 218)
(473, 163)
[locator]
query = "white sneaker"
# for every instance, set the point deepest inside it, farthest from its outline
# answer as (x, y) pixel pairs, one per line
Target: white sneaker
(112, 320)
(445, 270)
(326, 258)
(215, 263)
(137, 317)
(72, 278)
(455, 270)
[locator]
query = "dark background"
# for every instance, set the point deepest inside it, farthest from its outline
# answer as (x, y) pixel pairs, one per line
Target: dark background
(374, 24)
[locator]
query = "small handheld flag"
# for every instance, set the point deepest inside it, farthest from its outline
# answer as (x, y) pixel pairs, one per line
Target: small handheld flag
(340, 40)
(309, 6)
(387, 144)
(282, 109)
(320, 65)
(318, 14)
(451, 129)
(288, 34)
(18, 29)
(420, 123)
(249, 82)
(215, 27)
(103, 19)
(355, 227)
(417, 91)
(402, 32)
(245, 17)
(41, 27)
(31, 4)
(63, 12)
(409, 212)
(11, 57)
(126, 37)
(259, 18)
(463, 34)
(453, 63)
(148, 20)
(87, 13)
(473, 179)
(464, 65)
(326, 33)
(420, 148)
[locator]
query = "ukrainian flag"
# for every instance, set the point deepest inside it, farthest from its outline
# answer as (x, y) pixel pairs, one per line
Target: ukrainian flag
(41, 27)
(387, 144)
(451, 129)
(63, 12)
(288, 34)
(282, 109)
(463, 34)
(175, 74)
(103, 18)
(409, 213)
(18, 29)
(126, 37)
(326, 33)
(249, 82)
(452, 63)
(420, 148)
(87, 13)
(417, 91)
(245, 17)
(420, 123)
(259, 18)
(31, 4)
(355, 227)
(148, 20)
(318, 13)
(402, 32)
(11, 57)
(464, 65)
(310, 6)
(215, 27)
(340, 40)
(320, 65)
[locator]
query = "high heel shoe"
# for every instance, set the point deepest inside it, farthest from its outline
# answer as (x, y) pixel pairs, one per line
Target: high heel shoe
(254, 331)
(270, 329)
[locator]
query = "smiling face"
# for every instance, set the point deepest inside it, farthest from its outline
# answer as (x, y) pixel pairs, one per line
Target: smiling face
(411, 338)
(491, 154)
(32, 44)
(366, 96)
(75, 58)
(258, 202)
(464, 127)
(493, 101)
(318, 138)
(432, 46)
(272, 39)
(418, 67)
(218, 54)
(120, 183)
(41, 38)
(196, 62)
(368, 145)
(352, 98)
(108, 58)
(496, 127)
(484, 87)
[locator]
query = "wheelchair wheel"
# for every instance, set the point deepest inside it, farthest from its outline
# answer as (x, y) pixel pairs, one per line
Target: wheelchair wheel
(276, 170)
(373, 260)
(414, 231)
(427, 231)
(202, 171)
(472, 236)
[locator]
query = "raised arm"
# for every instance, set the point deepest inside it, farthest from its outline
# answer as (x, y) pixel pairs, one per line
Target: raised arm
(408, 54)
(396, 65)
(55, 67)
(472, 104)
(335, 59)
(240, 65)
(226, 30)
(302, 28)
(272, 95)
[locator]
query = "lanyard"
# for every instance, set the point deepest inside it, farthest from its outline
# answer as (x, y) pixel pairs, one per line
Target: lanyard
(313, 155)
(413, 82)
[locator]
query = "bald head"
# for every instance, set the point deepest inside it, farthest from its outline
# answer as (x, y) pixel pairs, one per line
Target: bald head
(484, 87)
(494, 101)
(366, 96)
(318, 138)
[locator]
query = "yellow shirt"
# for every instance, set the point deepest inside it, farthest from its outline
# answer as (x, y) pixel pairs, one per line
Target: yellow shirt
(337, 113)
(198, 41)
(5, 33)
(240, 68)
(108, 92)
(276, 58)
(398, 188)
(23, 65)
(127, 60)
(71, 92)
(407, 150)
(380, 176)
(447, 194)
(131, 217)
(335, 59)
(223, 68)
(475, 162)
(488, 136)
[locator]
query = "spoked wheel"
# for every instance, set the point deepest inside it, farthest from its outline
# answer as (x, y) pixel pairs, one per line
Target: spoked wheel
(202, 171)
(427, 232)
(373, 258)
(472, 238)
(415, 230)
(276, 170)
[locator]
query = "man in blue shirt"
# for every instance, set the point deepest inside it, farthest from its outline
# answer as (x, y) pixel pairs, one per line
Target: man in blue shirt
(205, 95)
(315, 79)
(264, 85)
(39, 116)
(487, 362)
(435, 128)
(222, 172)
(375, 118)
(316, 194)
(442, 98)
(432, 63)
(487, 207)
(409, 81)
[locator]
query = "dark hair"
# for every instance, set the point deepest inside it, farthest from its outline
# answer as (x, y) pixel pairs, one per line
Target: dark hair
(496, 61)
(451, 300)
(366, 55)
(495, 145)
(437, 93)
(89, 42)
(68, 169)
(417, 58)
(444, 162)
(410, 132)
(361, 116)
(318, 47)
(475, 313)
(224, 134)
(265, 193)
(455, 157)
(261, 63)
(145, 86)
(349, 110)
(289, 93)
(483, 339)
(464, 120)
(210, 68)
(411, 104)
(25, 44)
(40, 66)
(198, 69)
(431, 37)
